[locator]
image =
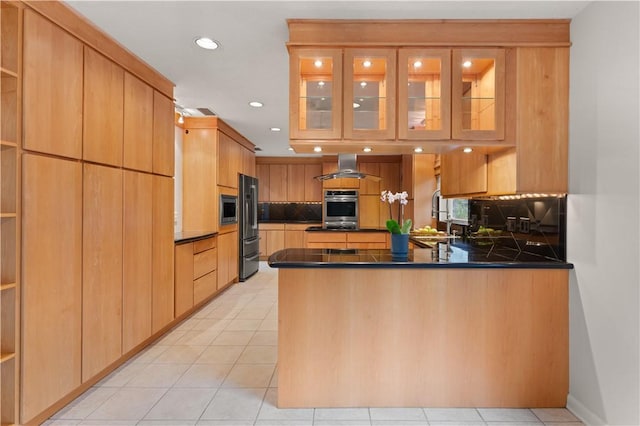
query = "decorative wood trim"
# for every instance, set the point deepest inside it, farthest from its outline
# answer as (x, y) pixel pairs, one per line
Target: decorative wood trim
(218, 123)
(288, 160)
(88, 33)
(426, 32)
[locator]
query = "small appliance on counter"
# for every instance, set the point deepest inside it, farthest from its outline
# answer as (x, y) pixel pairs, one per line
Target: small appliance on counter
(248, 227)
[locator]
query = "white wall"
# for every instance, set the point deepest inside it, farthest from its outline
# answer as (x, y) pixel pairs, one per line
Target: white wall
(603, 214)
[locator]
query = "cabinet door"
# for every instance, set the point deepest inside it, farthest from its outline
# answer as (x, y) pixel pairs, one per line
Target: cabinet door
(369, 94)
(183, 278)
(295, 182)
(138, 124)
(262, 171)
(199, 203)
(51, 281)
(248, 162)
(229, 161)
(369, 207)
(424, 94)
(103, 116)
(278, 182)
(137, 259)
(52, 88)
(478, 94)
(275, 241)
(312, 186)
(370, 186)
(162, 252)
(163, 135)
(463, 173)
(315, 94)
(227, 258)
(101, 268)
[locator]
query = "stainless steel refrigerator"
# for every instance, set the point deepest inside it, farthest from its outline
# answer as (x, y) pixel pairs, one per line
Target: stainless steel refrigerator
(248, 226)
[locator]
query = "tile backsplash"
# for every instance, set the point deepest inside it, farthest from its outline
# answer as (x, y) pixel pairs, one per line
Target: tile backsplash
(290, 212)
(533, 225)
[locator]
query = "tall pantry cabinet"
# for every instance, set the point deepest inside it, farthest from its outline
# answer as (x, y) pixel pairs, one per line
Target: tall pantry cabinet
(93, 189)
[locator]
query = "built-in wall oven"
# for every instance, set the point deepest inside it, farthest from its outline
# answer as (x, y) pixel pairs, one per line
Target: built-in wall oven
(340, 209)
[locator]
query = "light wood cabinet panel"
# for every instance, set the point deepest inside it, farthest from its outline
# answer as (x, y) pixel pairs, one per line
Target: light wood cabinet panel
(248, 162)
(229, 161)
(370, 186)
(227, 258)
(204, 262)
(202, 245)
(137, 259)
(199, 202)
(370, 207)
(275, 241)
(463, 173)
(295, 178)
(390, 177)
(278, 182)
(341, 183)
(51, 281)
(294, 235)
(183, 278)
(163, 135)
(312, 186)
(205, 286)
(162, 294)
(52, 88)
(264, 185)
(103, 117)
(262, 244)
(334, 237)
(138, 124)
(101, 268)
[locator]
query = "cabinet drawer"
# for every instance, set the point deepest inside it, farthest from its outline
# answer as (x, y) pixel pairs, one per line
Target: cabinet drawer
(204, 287)
(202, 245)
(326, 237)
(204, 262)
(367, 237)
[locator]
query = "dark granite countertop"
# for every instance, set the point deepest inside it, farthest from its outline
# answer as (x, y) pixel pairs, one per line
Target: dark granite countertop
(441, 256)
(321, 229)
(185, 237)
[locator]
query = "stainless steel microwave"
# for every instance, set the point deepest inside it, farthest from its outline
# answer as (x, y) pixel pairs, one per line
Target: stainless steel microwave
(228, 209)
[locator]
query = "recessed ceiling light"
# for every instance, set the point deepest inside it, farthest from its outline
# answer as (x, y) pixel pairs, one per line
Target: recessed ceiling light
(256, 104)
(181, 118)
(467, 150)
(418, 150)
(363, 84)
(356, 105)
(290, 149)
(317, 149)
(318, 63)
(366, 63)
(275, 129)
(207, 43)
(366, 149)
(466, 64)
(417, 64)
(321, 83)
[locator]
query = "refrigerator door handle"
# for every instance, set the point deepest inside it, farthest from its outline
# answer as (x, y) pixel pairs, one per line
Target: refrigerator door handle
(254, 198)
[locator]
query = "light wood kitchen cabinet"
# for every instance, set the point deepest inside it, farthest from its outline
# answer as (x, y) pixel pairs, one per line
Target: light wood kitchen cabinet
(368, 240)
(162, 254)
(347, 240)
(52, 95)
(463, 173)
(248, 162)
(229, 161)
(278, 182)
(195, 273)
(294, 235)
(183, 283)
(102, 259)
(329, 239)
(315, 94)
(301, 183)
(370, 186)
(272, 239)
(262, 172)
(372, 213)
(227, 259)
(329, 166)
(163, 135)
(103, 107)
(138, 124)
(312, 186)
(137, 259)
(295, 182)
(52, 290)
(199, 164)
(369, 86)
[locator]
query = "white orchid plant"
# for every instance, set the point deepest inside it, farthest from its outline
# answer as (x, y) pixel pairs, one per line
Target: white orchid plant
(394, 225)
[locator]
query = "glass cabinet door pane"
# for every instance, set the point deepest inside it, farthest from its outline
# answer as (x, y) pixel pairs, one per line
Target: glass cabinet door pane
(316, 103)
(478, 93)
(370, 83)
(423, 90)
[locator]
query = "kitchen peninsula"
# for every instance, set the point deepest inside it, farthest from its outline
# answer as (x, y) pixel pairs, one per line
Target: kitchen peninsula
(357, 329)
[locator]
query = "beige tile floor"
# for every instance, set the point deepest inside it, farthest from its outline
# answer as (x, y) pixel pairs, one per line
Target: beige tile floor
(218, 367)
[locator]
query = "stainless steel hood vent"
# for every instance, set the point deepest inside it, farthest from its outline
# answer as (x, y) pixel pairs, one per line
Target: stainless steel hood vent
(347, 169)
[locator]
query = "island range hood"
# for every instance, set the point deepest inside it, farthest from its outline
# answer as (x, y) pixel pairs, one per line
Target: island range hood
(347, 169)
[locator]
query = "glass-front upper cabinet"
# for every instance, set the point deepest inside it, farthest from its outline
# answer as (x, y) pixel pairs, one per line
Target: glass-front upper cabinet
(369, 93)
(315, 94)
(424, 93)
(478, 94)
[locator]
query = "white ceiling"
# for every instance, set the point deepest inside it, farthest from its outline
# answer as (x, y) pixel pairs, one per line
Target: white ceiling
(252, 63)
